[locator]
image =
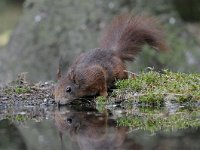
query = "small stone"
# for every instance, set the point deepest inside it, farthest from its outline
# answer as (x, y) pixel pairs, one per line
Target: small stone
(45, 100)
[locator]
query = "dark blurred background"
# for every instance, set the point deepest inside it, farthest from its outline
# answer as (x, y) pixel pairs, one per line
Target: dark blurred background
(35, 33)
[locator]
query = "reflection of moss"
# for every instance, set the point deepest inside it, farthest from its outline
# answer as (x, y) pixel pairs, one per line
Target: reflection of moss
(154, 88)
(17, 118)
(100, 103)
(159, 121)
(101, 100)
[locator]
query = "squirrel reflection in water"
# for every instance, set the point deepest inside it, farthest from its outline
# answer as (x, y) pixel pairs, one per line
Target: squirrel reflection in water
(92, 131)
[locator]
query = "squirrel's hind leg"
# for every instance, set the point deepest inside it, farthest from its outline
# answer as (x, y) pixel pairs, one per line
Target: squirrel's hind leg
(95, 80)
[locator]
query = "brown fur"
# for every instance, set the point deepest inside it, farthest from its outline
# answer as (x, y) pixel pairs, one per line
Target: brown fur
(95, 71)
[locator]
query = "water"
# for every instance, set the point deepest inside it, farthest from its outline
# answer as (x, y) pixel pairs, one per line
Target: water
(67, 128)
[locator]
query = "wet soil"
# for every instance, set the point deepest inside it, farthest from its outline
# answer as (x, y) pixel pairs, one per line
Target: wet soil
(22, 98)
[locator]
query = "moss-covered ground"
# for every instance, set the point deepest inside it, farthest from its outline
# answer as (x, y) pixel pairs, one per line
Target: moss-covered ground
(154, 88)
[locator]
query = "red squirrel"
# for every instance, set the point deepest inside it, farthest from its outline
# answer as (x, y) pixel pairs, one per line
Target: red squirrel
(95, 71)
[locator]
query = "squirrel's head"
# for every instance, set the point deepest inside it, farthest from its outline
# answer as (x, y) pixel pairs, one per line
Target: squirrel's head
(67, 88)
(64, 92)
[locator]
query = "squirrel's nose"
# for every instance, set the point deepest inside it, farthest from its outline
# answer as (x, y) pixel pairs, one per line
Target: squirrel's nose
(61, 102)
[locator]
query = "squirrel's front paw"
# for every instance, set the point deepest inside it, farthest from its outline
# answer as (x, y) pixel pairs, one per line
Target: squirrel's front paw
(103, 93)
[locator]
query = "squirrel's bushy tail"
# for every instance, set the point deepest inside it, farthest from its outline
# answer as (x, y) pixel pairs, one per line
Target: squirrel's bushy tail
(127, 34)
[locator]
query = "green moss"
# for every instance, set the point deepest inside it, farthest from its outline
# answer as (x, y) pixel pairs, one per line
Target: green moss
(21, 90)
(17, 117)
(154, 88)
(101, 101)
(17, 90)
(8, 90)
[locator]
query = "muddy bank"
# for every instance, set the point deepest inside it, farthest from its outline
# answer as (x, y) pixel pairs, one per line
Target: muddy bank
(20, 91)
(21, 100)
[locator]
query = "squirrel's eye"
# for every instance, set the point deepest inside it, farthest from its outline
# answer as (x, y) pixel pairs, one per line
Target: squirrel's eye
(68, 89)
(69, 120)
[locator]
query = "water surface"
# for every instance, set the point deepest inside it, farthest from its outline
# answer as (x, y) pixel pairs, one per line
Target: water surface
(67, 128)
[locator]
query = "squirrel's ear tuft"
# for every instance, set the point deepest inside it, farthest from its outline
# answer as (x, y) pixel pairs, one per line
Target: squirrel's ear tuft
(59, 72)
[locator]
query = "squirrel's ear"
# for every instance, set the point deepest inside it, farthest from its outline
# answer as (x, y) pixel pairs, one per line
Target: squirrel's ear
(59, 72)
(73, 77)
